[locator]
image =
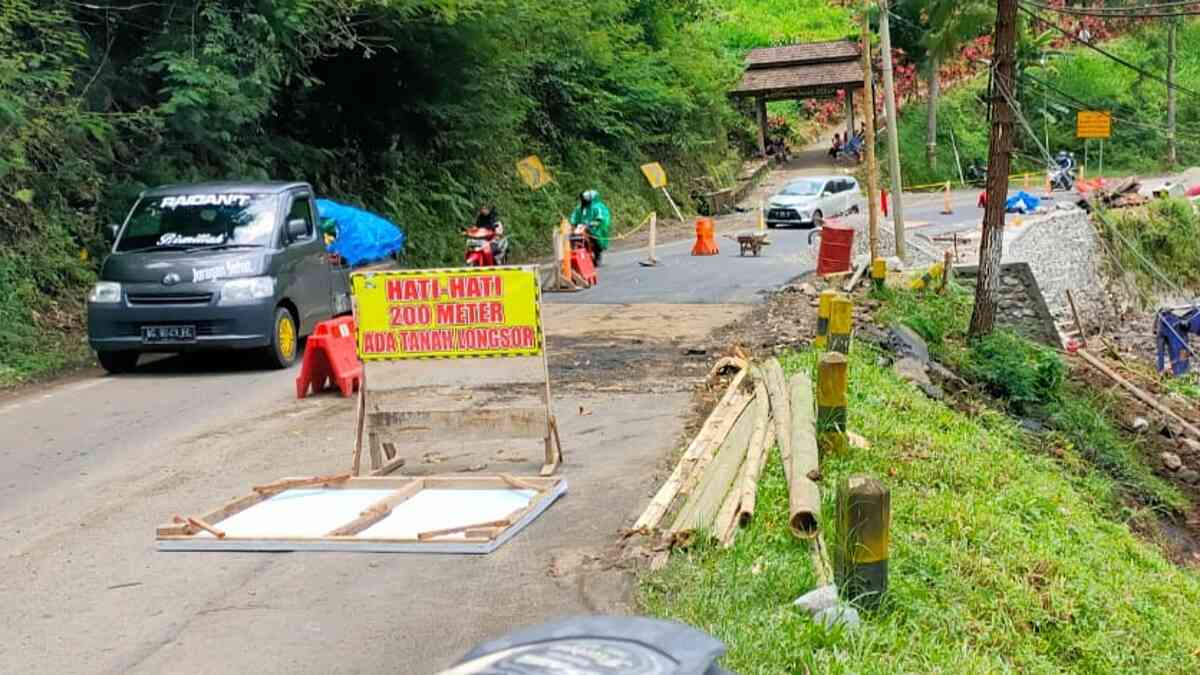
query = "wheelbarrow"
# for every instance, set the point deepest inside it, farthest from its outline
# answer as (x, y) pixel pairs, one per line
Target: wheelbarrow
(750, 242)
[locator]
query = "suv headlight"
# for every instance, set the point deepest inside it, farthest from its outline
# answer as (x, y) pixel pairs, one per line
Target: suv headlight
(243, 291)
(105, 292)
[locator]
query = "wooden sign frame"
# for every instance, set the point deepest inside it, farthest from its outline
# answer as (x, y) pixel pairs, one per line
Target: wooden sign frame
(381, 432)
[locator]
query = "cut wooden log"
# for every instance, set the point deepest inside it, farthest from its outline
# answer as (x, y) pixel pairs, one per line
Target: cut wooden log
(700, 510)
(761, 441)
(1138, 392)
(781, 415)
(715, 428)
(804, 498)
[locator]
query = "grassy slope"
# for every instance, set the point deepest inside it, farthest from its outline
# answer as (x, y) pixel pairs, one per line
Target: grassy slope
(1088, 77)
(997, 562)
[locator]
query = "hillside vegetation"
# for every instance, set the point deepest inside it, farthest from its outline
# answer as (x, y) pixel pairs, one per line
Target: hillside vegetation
(1050, 95)
(1009, 551)
(416, 109)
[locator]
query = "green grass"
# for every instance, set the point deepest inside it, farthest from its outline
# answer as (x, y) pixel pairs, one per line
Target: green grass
(745, 24)
(1166, 235)
(998, 562)
(1187, 386)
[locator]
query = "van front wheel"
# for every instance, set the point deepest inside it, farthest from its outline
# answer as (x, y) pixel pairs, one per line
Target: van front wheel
(285, 341)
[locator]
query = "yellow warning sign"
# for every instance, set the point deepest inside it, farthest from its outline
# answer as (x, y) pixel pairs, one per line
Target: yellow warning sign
(448, 313)
(655, 174)
(533, 172)
(1093, 124)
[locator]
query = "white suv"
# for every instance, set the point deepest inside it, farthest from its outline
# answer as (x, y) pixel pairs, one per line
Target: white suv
(809, 201)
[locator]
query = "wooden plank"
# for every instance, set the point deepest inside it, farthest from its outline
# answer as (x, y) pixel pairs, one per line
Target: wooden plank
(290, 483)
(718, 424)
(360, 410)
(488, 483)
(376, 451)
(1138, 392)
(804, 498)
(378, 511)
(199, 524)
(480, 424)
(389, 467)
(1078, 323)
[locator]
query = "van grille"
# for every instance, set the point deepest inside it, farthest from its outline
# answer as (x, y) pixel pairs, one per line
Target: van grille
(170, 298)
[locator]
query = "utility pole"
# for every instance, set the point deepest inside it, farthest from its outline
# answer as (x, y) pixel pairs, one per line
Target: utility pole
(991, 245)
(869, 141)
(931, 115)
(889, 100)
(1172, 27)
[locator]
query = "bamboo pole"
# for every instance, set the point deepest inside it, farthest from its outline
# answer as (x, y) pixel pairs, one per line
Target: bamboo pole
(715, 428)
(781, 414)
(700, 510)
(804, 498)
(1138, 393)
(832, 381)
(841, 324)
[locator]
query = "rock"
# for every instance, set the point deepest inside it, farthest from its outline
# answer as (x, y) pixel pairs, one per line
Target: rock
(1139, 424)
(818, 599)
(807, 289)
(1171, 461)
(912, 370)
(1176, 399)
(839, 615)
(871, 334)
(905, 342)
(1190, 446)
(1032, 425)
(932, 391)
(946, 377)
(695, 350)
(1189, 476)
(1010, 280)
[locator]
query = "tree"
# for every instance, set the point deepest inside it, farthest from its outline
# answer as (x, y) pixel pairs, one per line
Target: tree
(1000, 142)
(952, 23)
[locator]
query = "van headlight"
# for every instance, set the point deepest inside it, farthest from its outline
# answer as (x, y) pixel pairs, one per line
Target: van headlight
(105, 293)
(244, 291)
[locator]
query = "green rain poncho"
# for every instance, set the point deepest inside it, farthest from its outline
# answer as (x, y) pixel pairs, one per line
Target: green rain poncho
(596, 217)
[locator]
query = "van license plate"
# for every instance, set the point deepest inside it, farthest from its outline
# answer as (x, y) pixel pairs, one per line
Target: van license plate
(167, 334)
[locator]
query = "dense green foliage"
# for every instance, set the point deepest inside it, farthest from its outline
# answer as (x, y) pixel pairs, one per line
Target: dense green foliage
(1050, 95)
(1028, 379)
(416, 109)
(997, 563)
(1163, 236)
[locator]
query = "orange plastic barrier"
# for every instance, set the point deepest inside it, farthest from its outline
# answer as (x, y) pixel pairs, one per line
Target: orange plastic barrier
(581, 262)
(706, 242)
(331, 358)
(837, 242)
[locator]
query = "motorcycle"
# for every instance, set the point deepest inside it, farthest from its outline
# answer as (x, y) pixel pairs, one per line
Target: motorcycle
(481, 251)
(1061, 177)
(976, 174)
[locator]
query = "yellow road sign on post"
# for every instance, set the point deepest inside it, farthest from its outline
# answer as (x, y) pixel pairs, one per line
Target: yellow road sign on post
(448, 313)
(655, 174)
(1093, 124)
(533, 172)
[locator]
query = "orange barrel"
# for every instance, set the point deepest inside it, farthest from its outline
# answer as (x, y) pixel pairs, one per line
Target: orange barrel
(706, 243)
(837, 243)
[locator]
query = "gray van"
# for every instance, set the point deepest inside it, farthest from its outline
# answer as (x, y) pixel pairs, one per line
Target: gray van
(215, 266)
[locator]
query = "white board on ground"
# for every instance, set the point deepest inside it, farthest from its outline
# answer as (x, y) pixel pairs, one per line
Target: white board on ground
(430, 510)
(311, 512)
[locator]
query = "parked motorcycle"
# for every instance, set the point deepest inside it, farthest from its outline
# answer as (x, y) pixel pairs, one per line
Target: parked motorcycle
(484, 247)
(976, 173)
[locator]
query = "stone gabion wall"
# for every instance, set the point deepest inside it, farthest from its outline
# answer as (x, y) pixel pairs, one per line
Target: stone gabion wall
(1063, 250)
(1019, 303)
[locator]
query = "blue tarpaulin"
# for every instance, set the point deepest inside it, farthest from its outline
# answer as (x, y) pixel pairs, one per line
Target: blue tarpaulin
(362, 236)
(1022, 202)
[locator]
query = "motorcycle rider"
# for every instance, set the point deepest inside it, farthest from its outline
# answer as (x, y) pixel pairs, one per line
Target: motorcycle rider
(488, 218)
(592, 218)
(1066, 160)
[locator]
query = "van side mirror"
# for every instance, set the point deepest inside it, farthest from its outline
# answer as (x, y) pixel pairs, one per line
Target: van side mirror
(297, 228)
(112, 230)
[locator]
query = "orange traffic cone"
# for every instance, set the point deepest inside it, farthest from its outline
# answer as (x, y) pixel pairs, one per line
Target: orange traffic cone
(706, 243)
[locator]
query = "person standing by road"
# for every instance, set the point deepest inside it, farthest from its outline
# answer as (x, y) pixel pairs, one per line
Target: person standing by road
(592, 218)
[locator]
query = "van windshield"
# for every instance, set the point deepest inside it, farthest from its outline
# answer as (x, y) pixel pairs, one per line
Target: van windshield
(187, 221)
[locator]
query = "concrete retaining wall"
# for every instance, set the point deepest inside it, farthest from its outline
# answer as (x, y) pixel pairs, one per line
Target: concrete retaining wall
(1063, 251)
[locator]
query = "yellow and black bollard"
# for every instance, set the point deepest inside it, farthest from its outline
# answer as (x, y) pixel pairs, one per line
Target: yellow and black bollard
(864, 515)
(824, 307)
(841, 322)
(878, 273)
(832, 379)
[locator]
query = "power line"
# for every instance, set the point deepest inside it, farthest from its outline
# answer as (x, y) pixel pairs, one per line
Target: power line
(1080, 104)
(1150, 11)
(1109, 55)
